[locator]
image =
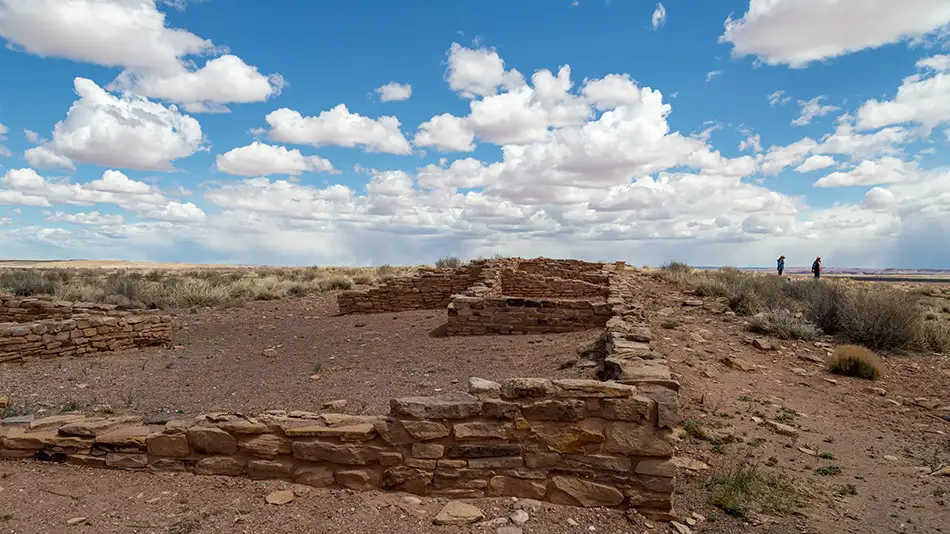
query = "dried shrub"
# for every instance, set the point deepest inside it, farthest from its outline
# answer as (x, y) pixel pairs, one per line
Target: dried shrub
(364, 278)
(783, 324)
(29, 282)
(852, 360)
(449, 262)
(932, 336)
(881, 319)
(747, 490)
(337, 282)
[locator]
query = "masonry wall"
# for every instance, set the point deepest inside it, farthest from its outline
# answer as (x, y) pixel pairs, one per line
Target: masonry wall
(431, 289)
(567, 269)
(575, 442)
(41, 328)
(516, 315)
(530, 285)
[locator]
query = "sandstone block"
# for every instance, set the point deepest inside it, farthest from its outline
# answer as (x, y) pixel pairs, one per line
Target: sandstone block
(389, 459)
(355, 433)
(358, 479)
(171, 445)
(260, 469)
(134, 436)
(126, 461)
(497, 409)
(162, 465)
(478, 430)
(525, 388)
(406, 479)
(220, 465)
(266, 446)
(503, 486)
(427, 450)
(482, 451)
(54, 422)
(667, 405)
(86, 460)
(555, 410)
(96, 427)
(318, 451)
(542, 460)
(620, 464)
(418, 463)
(579, 492)
(639, 440)
(591, 388)
(659, 468)
(316, 476)
(244, 426)
(425, 430)
(458, 513)
(448, 406)
(514, 462)
(564, 438)
(394, 433)
(482, 387)
(210, 440)
(635, 408)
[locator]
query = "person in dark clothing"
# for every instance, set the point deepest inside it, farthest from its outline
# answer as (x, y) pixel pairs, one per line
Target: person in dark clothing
(816, 267)
(781, 265)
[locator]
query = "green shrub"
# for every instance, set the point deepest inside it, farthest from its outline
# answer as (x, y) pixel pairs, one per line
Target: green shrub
(747, 489)
(29, 282)
(852, 360)
(881, 318)
(784, 325)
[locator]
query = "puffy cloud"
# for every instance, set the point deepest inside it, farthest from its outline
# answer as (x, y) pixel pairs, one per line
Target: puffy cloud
(474, 72)
(811, 109)
(753, 142)
(921, 98)
(133, 34)
(42, 157)
(777, 158)
(815, 163)
(128, 131)
(31, 136)
(797, 32)
(446, 133)
(90, 218)
(887, 170)
(259, 159)
(337, 126)
(221, 80)
(878, 198)
(461, 174)
(394, 92)
(611, 91)
(659, 17)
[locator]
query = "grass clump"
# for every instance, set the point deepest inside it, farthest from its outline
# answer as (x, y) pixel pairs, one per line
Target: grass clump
(449, 262)
(337, 282)
(748, 489)
(783, 325)
(828, 471)
(852, 360)
(932, 336)
(881, 319)
(694, 429)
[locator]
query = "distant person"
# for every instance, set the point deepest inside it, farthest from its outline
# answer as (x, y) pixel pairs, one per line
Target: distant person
(781, 265)
(816, 267)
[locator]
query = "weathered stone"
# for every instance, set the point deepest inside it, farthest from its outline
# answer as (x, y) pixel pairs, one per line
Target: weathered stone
(244, 426)
(635, 408)
(388, 459)
(641, 334)
(316, 476)
(425, 430)
(358, 479)
(280, 497)
(448, 406)
(458, 513)
(667, 405)
(406, 479)
(635, 439)
(482, 451)
(339, 405)
(693, 303)
(354, 433)
(418, 463)
(525, 388)
(266, 446)
(576, 388)
(18, 438)
(96, 427)
(579, 492)
(519, 517)
(503, 486)
(480, 387)
(555, 410)
(210, 440)
(86, 460)
(134, 436)
(738, 363)
(126, 461)
(567, 439)
(427, 450)
(763, 344)
(178, 426)
(270, 468)
(394, 433)
(497, 409)
(17, 454)
(318, 451)
(542, 460)
(654, 483)
(170, 445)
(342, 419)
(496, 463)
(220, 465)
(162, 465)
(452, 464)
(659, 468)
(688, 463)
(480, 430)
(782, 429)
(53, 422)
(619, 464)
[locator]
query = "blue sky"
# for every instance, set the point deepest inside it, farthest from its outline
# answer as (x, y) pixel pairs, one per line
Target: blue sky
(724, 132)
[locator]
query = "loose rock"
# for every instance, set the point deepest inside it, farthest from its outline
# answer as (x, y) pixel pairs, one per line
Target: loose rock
(519, 517)
(458, 513)
(280, 497)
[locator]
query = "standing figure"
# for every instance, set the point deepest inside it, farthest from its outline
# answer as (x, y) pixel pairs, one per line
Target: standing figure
(781, 265)
(816, 267)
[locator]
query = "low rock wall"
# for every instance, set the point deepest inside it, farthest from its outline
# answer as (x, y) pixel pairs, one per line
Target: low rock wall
(530, 285)
(574, 442)
(431, 289)
(567, 269)
(38, 328)
(516, 315)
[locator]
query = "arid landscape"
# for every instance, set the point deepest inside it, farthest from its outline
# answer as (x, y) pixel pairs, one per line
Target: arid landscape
(767, 438)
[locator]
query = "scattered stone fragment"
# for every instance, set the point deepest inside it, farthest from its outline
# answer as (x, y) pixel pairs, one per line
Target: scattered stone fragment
(808, 451)
(799, 371)
(4, 401)
(519, 517)
(738, 363)
(280, 497)
(335, 405)
(876, 391)
(458, 513)
(692, 303)
(890, 458)
(782, 429)
(570, 521)
(691, 521)
(269, 352)
(942, 472)
(831, 381)
(480, 386)
(509, 530)
(811, 358)
(763, 344)
(493, 523)
(76, 521)
(688, 463)
(680, 528)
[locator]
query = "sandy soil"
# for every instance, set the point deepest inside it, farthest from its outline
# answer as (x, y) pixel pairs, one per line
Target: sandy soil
(217, 363)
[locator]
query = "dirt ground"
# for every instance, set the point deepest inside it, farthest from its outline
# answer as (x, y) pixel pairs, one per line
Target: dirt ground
(861, 460)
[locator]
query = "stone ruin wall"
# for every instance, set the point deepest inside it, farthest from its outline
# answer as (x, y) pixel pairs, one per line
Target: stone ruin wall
(474, 316)
(529, 285)
(44, 328)
(574, 442)
(567, 269)
(430, 289)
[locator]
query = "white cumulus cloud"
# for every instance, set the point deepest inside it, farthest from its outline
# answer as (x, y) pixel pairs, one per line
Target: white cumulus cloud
(42, 157)
(446, 133)
(339, 127)
(815, 163)
(887, 170)
(259, 159)
(811, 109)
(394, 92)
(922, 98)
(474, 72)
(659, 17)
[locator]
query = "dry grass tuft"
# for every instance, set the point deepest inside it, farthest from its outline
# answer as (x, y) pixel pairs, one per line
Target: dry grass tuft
(449, 262)
(859, 362)
(783, 324)
(932, 336)
(748, 489)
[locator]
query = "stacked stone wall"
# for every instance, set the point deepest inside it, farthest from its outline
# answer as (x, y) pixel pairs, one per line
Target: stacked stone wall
(574, 442)
(42, 328)
(516, 315)
(526, 284)
(431, 289)
(567, 269)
